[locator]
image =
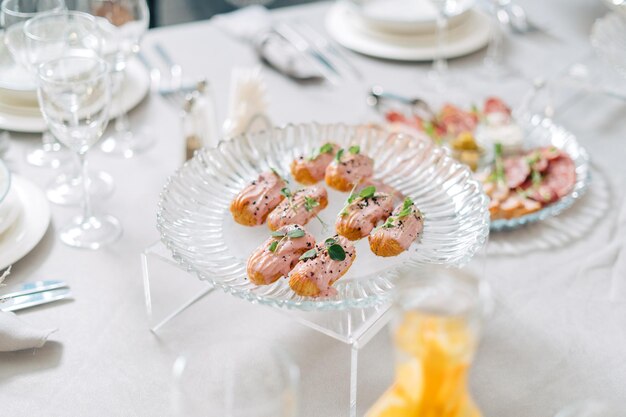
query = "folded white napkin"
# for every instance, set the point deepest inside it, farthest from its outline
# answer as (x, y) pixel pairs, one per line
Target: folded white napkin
(16, 334)
(246, 23)
(613, 256)
(253, 24)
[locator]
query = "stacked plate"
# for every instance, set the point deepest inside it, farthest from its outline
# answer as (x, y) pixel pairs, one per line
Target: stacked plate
(24, 216)
(19, 110)
(406, 30)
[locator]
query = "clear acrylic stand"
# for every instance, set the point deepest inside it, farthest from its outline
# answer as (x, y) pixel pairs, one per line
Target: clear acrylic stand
(169, 290)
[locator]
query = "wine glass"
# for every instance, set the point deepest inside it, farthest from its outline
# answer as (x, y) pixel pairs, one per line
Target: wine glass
(493, 63)
(13, 15)
(123, 23)
(75, 97)
(235, 378)
(46, 37)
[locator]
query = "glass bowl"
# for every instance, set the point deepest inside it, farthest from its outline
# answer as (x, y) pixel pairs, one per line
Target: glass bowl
(195, 223)
(543, 132)
(5, 180)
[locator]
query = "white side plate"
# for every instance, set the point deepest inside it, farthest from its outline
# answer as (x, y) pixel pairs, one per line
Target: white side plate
(30, 226)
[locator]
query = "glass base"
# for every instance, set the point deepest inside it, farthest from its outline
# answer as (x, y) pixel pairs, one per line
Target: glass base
(126, 144)
(54, 157)
(91, 233)
(67, 190)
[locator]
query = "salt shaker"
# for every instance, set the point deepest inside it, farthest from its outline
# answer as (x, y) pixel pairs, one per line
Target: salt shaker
(193, 140)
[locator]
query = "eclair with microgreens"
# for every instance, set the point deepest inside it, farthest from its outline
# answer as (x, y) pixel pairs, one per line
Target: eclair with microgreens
(399, 231)
(320, 267)
(362, 213)
(348, 168)
(255, 202)
(298, 207)
(309, 170)
(279, 254)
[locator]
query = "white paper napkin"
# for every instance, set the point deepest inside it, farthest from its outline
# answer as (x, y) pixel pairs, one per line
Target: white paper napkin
(613, 256)
(16, 334)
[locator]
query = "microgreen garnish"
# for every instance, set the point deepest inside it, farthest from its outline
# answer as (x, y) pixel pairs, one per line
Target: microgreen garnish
(354, 149)
(339, 155)
(286, 192)
(405, 211)
(310, 203)
(292, 234)
(295, 233)
(429, 129)
(311, 253)
(275, 171)
(351, 198)
(499, 163)
(325, 148)
(289, 196)
(536, 177)
(367, 192)
(406, 207)
(335, 250)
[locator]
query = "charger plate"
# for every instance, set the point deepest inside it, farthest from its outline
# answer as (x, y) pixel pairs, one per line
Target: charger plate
(195, 223)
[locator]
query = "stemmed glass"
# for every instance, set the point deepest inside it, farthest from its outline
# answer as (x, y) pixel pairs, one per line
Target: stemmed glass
(445, 10)
(123, 23)
(13, 15)
(46, 37)
(75, 97)
(493, 63)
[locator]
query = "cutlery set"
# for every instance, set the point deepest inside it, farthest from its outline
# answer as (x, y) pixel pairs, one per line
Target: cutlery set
(34, 294)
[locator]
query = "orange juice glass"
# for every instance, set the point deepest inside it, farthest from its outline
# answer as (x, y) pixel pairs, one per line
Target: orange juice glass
(435, 330)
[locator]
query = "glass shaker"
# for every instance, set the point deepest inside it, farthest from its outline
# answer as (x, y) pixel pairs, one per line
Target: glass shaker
(199, 120)
(438, 315)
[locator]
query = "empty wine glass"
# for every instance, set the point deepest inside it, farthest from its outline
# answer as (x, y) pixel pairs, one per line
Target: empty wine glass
(123, 23)
(238, 378)
(53, 35)
(75, 98)
(493, 63)
(13, 15)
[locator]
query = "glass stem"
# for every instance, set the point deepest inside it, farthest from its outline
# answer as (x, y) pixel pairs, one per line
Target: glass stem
(48, 141)
(122, 124)
(441, 64)
(494, 49)
(85, 181)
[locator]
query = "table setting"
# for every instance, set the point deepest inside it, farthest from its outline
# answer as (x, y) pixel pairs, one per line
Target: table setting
(345, 208)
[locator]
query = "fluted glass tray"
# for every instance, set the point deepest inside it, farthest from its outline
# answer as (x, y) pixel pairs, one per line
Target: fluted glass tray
(543, 132)
(196, 225)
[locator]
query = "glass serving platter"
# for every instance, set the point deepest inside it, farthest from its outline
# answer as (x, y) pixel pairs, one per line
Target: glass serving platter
(543, 132)
(195, 223)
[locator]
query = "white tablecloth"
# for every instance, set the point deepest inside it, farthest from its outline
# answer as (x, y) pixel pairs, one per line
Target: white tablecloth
(554, 338)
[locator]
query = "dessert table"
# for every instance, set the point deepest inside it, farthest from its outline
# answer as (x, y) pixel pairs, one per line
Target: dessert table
(555, 336)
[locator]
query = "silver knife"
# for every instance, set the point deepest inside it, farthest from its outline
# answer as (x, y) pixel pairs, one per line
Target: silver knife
(35, 299)
(34, 287)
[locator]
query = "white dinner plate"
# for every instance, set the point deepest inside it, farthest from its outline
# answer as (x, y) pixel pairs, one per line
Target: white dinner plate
(30, 226)
(13, 78)
(349, 30)
(20, 118)
(405, 17)
(10, 209)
